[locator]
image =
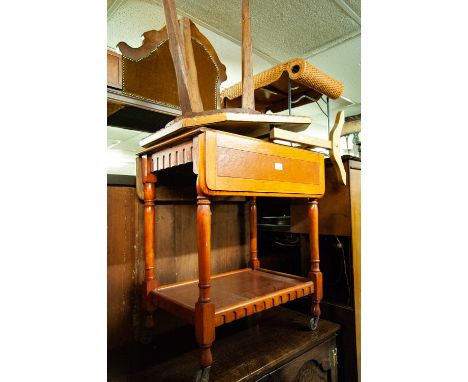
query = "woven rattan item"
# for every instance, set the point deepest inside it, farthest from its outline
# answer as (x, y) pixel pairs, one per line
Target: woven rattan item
(300, 71)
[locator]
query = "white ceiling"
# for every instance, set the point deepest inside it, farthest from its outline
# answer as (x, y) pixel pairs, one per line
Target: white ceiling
(325, 32)
(122, 145)
(280, 29)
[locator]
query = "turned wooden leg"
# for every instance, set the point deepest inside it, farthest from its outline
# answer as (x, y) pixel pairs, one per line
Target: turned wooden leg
(150, 283)
(204, 308)
(315, 275)
(254, 263)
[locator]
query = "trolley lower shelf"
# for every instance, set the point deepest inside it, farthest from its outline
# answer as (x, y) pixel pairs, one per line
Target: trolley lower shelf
(235, 294)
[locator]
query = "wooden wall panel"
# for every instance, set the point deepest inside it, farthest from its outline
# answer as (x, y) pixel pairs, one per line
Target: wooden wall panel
(165, 243)
(355, 189)
(121, 203)
(176, 240)
(230, 243)
(185, 249)
(175, 247)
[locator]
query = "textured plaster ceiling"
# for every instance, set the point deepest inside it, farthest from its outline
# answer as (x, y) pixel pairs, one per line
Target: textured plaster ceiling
(281, 29)
(127, 20)
(355, 5)
(285, 29)
(131, 18)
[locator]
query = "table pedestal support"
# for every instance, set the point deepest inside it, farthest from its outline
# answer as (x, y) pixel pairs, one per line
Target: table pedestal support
(150, 283)
(204, 308)
(315, 275)
(254, 263)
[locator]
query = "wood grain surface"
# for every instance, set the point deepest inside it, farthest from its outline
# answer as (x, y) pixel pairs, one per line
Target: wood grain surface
(272, 344)
(335, 214)
(175, 248)
(192, 76)
(248, 100)
(178, 56)
(355, 190)
(254, 263)
(114, 69)
(121, 283)
(233, 164)
(242, 293)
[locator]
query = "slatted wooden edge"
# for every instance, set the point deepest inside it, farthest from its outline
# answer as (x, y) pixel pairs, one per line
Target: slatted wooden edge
(173, 156)
(179, 298)
(163, 143)
(262, 303)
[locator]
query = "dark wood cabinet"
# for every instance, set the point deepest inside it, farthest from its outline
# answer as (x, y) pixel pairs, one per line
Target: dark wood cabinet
(340, 231)
(316, 365)
(275, 345)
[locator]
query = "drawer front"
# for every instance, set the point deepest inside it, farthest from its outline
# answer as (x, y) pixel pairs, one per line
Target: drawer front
(235, 163)
(316, 365)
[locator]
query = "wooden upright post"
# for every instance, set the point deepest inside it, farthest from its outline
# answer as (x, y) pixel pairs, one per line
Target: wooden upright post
(315, 275)
(248, 98)
(148, 180)
(192, 75)
(180, 44)
(204, 308)
(254, 263)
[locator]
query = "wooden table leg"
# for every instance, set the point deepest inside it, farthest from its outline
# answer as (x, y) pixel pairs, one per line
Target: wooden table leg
(150, 283)
(204, 308)
(254, 263)
(315, 275)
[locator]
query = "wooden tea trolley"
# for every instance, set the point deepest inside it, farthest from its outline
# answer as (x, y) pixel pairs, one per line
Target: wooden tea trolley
(227, 163)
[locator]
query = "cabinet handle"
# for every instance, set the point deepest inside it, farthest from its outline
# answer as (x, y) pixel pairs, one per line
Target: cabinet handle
(334, 357)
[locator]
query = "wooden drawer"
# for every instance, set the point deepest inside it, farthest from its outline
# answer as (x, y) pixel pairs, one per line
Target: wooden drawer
(231, 164)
